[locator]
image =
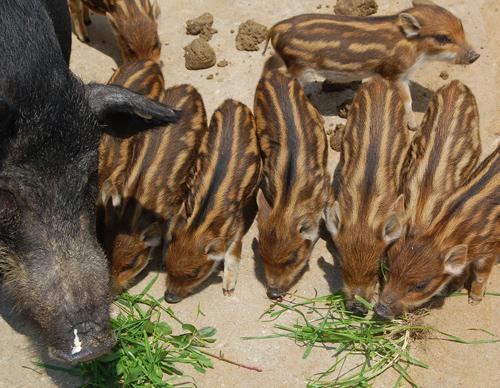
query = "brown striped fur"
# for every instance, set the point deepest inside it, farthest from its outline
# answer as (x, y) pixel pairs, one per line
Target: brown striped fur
(465, 233)
(443, 153)
(348, 48)
(133, 21)
(210, 226)
(149, 180)
(296, 181)
(366, 215)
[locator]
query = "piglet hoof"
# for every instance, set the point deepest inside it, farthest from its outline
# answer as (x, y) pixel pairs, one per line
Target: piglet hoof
(228, 292)
(474, 300)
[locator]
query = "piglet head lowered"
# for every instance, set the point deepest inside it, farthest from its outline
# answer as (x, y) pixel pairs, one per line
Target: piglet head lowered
(419, 268)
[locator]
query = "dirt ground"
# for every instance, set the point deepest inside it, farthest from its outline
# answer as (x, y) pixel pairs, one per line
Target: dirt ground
(451, 365)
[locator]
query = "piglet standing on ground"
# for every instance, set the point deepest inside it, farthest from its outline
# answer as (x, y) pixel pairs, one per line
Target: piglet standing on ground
(366, 216)
(295, 182)
(209, 228)
(50, 125)
(453, 212)
(349, 48)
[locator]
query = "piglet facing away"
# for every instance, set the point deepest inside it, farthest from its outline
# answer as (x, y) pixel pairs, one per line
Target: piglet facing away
(347, 48)
(366, 216)
(209, 228)
(295, 178)
(50, 125)
(451, 209)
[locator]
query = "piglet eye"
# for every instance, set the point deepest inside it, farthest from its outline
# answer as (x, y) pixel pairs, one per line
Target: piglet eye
(294, 257)
(419, 287)
(194, 273)
(443, 39)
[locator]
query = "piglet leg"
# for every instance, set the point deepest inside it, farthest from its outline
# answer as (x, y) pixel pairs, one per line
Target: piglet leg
(76, 9)
(481, 270)
(410, 117)
(231, 267)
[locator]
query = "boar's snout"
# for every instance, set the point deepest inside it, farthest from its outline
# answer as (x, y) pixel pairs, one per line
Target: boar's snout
(275, 293)
(86, 342)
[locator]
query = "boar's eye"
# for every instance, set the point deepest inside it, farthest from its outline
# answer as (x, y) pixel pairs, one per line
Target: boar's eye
(419, 287)
(443, 39)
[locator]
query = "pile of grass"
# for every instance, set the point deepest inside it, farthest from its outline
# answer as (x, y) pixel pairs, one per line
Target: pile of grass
(148, 353)
(372, 346)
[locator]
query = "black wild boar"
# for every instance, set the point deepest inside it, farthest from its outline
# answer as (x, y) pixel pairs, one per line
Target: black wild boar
(50, 126)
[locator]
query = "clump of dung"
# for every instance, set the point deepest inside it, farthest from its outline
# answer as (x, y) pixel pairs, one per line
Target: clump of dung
(202, 25)
(250, 35)
(199, 55)
(356, 7)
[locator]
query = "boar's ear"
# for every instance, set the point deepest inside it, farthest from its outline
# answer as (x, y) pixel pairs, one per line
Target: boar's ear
(151, 236)
(125, 112)
(332, 219)
(409, 24)
(216, 248)
(307, 229)
(6, 115)
(455, 260)
(264, 207)
(422, 2)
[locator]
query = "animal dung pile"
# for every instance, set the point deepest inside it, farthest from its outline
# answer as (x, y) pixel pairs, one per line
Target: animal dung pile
(199, 55)
(356, 7)
(202, 26)
(250, 35)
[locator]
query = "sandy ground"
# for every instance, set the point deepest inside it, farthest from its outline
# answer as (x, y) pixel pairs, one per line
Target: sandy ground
(451, 365)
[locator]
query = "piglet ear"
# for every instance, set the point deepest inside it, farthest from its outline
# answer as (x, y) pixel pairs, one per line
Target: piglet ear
(308, 229)
(124, 112)
(151, 236)
(216, 248)
(156, 9)
(177, 222)
(264, 207)
(333, 218)
(110, 191)
(409, 25)
(455, 260)
(392, 229)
